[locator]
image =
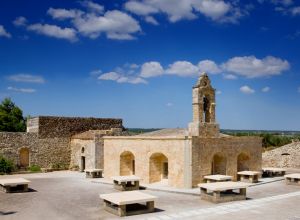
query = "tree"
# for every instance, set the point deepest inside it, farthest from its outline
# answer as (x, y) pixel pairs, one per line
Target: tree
(11, 117)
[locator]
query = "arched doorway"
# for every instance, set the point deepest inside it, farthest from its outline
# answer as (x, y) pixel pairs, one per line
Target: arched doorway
(127, 164)
(218, 165)
(243, 162)
(24, 157)
(159, 168)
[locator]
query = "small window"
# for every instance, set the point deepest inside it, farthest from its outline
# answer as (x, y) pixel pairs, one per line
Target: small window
(285, 154)
(82, 150)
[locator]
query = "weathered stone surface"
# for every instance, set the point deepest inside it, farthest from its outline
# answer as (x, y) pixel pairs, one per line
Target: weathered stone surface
(50, 126)
(287, 156)
(46, 152)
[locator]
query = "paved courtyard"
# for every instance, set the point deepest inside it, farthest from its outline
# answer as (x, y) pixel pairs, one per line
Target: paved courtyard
(69, 195)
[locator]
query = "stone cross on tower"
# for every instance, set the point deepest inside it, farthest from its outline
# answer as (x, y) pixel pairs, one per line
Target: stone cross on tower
(204, 117)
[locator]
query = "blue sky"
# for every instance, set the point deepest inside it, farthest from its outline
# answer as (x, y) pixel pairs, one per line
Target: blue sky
(138, 60)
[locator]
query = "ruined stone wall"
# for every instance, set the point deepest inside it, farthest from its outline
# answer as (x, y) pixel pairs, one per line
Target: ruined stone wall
(204, 149)
(67, 126)
(143, 148)
(287, 156)
(46, 152)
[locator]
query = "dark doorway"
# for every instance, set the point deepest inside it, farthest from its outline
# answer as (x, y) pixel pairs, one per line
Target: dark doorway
(82, 164)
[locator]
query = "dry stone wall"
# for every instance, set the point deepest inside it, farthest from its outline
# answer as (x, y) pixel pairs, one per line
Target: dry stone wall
(45, 152)
(287, 156)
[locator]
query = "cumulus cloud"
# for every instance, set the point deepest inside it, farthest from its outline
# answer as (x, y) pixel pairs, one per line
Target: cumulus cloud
(183, 68)
(208, 66)
(216, 10)
(115, 24)
(62, 14)
(21, 90)
(252, 67)
(54, 31)
(151, 69)
(266, 89)
(151, 20)
(4, 33)
(26, 78)
(247, 90)
(20, 21)
(230, 76)
(92, 6)
(295, 11)
(119, 78)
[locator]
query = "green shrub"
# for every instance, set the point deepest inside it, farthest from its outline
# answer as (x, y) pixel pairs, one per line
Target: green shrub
(6, 165)
(34, 168)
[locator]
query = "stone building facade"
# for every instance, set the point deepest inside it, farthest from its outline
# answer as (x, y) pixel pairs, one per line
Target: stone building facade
(48, 140)
(182, 157)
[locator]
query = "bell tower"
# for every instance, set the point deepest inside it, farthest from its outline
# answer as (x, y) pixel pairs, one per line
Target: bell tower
(204, 105)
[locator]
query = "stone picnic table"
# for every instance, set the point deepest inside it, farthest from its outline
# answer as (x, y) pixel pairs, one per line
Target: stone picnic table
(292, 179)
(14, 185)
(223, 191)
(126, 183)
(217, 178)
(128, 203)
(93, 173)
(273, 171)
(248, 176)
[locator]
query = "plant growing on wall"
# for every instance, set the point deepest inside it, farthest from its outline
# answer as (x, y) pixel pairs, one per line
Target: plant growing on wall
(11, 117)
(6, 166)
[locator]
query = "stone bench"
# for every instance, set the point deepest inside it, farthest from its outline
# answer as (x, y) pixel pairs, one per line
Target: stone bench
(272, 171)
(223, 191)
(93, 173)
(128, 203)
(126, 183)
(248, 176)
(217, 178)
(14, 185)
(293, 179)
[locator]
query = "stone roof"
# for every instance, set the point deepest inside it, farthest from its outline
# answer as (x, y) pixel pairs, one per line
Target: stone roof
(171, 132)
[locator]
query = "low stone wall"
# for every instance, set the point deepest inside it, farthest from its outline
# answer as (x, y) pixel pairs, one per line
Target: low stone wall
(49, 126)
(287, 156)
(45, 152)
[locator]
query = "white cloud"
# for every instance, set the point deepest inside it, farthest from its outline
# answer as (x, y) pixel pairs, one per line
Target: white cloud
(217, 10)
(54, 31)
(208, 66)
(140, 8)
(151, 20)
(169, 104)
(26, 78)
(116, 24)
(62, 14)
(151, 69)
(20, 21)
(119, 78)
(110, 76)
(183, 68)
(95, 72)
(4, 33)
(218, 92)
(92, 6)
(247, 90)
(230, 76)
(266, 89)
(22, 90)
(295, 10)
(252, 67)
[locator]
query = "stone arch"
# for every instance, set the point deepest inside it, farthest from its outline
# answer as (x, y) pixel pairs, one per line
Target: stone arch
(24, 157)
(127, 163)
(158, 167)
(219, 164)
(243, 162)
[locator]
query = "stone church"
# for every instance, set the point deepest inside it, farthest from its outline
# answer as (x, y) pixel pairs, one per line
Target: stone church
(183, 156)
(178, 157)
